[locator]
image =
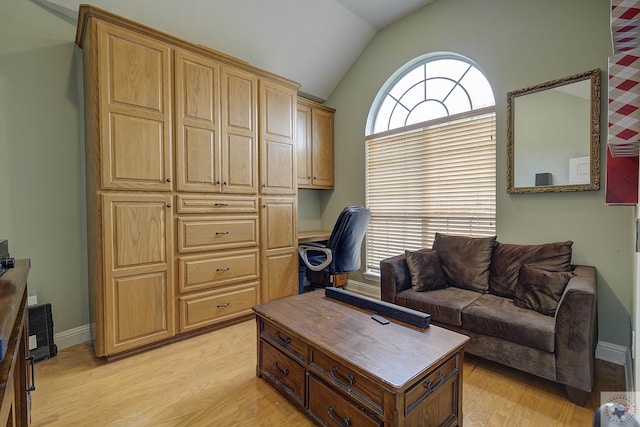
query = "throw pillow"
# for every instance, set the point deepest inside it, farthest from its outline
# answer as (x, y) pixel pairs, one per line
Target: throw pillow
(465, 260)
(540, 290)
(508, 258)
(425, 269)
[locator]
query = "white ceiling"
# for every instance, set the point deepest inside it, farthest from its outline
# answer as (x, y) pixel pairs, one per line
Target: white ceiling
(309, 41)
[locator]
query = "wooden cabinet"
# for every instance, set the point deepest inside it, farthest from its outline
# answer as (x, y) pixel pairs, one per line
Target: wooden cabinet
(177, 136)
(138, 281)
(277, 145)
(362, 373)
(279, 248)
(16, 366)
(314, 141)
(135, 104)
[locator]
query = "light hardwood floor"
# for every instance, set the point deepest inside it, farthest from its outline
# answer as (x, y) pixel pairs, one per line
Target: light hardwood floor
(210, 380)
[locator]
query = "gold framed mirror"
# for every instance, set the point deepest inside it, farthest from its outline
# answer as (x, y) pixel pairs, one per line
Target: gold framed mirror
(553, 135)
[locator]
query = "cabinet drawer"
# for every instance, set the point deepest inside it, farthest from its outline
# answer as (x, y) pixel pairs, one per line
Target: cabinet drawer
(334, 409)
(283, 372)
(346, 379)
(212, 233)
(207, 204)
(282, 340)
(206, 308)
(431, 383)
(205, 272)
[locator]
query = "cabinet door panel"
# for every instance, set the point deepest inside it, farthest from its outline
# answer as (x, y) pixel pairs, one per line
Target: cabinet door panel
(134, 110)
(322, 125)
(278, 164)
(240, 131)
(140, 308)
(279, 276)
(132, 139)
(303, 146)
(278, 225)
(138, 285)
(197, 123)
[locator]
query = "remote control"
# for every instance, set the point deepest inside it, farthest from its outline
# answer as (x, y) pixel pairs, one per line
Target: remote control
(380, 319)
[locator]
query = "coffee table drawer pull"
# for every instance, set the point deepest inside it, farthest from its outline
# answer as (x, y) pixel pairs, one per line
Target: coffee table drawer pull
(332, 414)
(283, 372)
(350, 378)
(427, 382)
(283, 341)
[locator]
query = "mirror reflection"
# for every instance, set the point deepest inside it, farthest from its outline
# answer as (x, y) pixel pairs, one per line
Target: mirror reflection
(553, 135)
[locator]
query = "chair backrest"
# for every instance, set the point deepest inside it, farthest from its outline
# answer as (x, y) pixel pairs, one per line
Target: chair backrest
(346, 238)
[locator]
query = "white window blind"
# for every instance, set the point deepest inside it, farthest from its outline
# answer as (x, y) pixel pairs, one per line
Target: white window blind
(433, 177)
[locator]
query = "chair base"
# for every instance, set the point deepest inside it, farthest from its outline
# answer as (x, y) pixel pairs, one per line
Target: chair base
(322, 279)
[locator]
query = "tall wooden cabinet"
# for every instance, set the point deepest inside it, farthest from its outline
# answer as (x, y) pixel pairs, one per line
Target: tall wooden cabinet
(190, 161)
(314, 137)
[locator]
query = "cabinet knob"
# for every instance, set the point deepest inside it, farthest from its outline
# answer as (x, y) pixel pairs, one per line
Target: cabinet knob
(225, 183)
(218, 182)
(168, 179)
(169, 205)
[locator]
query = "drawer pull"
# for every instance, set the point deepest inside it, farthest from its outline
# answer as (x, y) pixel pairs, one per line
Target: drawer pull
(283, 372)
(332, 414)
(334, 370)
(221, 204)
(442, 378)
(223, 269)
(226, 304)
(283, 341)
(221, 232)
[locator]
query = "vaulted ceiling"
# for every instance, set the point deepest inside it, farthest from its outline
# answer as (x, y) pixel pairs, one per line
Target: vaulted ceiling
(309, 41)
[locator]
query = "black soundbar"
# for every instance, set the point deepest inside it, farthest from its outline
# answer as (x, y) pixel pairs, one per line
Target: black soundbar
(404, 314)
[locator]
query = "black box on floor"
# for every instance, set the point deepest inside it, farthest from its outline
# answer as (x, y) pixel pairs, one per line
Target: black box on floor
(41, 331)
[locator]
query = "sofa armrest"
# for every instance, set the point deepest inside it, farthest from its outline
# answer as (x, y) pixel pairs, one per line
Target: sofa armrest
(394, 277)
(576, 330)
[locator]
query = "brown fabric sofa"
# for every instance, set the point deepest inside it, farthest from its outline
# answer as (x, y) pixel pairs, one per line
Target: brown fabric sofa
(499, 294)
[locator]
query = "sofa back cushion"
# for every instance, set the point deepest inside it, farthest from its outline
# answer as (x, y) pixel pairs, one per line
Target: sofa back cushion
(465, 260)
(425, 269)
(508, 258)
(540, 290)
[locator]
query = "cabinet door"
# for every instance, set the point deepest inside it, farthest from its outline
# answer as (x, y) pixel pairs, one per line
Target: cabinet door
(279, 248)
(197, 100)
(303, 145)
(278, 163)
(322, 125)
(135, 105)
(138, 285)
(239, 131)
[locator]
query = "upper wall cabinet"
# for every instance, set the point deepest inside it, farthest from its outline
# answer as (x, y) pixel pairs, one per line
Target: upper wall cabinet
(135, 94)
(277, 143)
(314, 140)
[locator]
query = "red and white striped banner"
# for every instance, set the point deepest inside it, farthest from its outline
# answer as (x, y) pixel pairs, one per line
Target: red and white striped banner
(625, 25)
(624, 103)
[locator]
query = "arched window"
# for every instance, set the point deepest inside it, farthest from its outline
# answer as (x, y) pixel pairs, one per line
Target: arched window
(430, 151)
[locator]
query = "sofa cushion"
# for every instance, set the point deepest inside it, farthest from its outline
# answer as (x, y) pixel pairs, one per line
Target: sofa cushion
(508, 258)
(498, 317)
(444, 305)
(425, 269)
(540, 290)
(465, 260)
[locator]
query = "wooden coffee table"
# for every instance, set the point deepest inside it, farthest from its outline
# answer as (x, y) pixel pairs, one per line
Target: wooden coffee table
(334, 362)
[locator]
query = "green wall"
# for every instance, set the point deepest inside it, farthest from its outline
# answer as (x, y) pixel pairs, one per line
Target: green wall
(41, 176)
(517, 44)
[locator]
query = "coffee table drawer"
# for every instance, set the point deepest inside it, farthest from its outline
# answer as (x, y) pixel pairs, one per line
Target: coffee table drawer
(346, 379)
(283, 372)
(283, 340)
(332, 408)
(432, 382)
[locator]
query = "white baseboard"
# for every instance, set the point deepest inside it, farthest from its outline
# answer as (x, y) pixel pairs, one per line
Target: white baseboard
(72, 337)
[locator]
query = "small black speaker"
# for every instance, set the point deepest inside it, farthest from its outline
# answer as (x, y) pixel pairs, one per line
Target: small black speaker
(41, 326)
(543, 179)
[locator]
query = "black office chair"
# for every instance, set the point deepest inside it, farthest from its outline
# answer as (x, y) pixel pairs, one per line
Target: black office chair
(337, 257)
